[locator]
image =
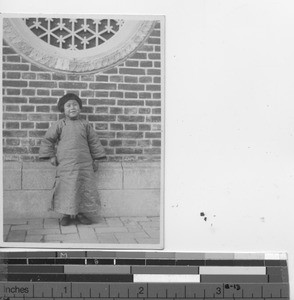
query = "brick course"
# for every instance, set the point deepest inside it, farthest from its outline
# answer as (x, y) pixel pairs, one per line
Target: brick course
(122, 104)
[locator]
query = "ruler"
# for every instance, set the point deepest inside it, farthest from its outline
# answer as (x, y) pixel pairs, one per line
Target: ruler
(149, 275)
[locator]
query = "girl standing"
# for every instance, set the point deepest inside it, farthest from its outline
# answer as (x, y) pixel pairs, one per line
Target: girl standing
(73, 147)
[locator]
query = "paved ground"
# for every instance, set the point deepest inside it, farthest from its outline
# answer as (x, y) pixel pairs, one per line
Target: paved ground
(123, 230)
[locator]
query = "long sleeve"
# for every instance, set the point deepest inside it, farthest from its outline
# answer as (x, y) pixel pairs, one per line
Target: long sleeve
(47, 148)
(96, 149)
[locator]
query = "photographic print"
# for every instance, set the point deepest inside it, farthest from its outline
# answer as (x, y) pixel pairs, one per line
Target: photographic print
(83, 144)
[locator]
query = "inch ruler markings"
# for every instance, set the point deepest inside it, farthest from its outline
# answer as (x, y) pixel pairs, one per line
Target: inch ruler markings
(148, 275)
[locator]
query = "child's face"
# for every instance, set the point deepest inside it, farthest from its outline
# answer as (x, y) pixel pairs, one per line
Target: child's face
(72, 109)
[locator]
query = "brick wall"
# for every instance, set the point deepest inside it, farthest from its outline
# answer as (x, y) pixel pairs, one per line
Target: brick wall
(123, 104)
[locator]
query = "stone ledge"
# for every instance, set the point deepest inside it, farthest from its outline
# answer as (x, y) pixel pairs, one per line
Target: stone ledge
(38, 176)
(126, 189)
(114, 203)
(126, 203)
(28, 204)
(141, 175)
(12, 176)
(110, 176)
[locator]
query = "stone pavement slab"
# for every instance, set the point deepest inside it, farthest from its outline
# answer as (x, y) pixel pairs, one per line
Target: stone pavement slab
(107, 238)
(26, 227)
(68, 229)
(87, 235)
(15, 221)
(51, 223)
(110, 229)
(34, 238)
(119, 230)
(43, 231)
(147, 241)
(115, 222)
(6, 229)
(39, 222)
(16, 236)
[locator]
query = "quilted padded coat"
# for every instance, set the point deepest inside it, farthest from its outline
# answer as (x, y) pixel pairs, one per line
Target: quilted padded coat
(76, 145)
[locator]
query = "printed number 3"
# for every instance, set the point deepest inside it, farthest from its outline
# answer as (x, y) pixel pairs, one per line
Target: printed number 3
(218, 290)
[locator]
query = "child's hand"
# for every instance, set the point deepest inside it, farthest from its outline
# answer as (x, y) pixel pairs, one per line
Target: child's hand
(53, 161)
(95, 165)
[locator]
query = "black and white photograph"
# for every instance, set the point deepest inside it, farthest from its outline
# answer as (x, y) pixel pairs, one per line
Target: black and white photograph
(164, 128)
(83, 135)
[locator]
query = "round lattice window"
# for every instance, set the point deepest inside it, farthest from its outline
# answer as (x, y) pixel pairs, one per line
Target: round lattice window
(74, 34)
(76, 45)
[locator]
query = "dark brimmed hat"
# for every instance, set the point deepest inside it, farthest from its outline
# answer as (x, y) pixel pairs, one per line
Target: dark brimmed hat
(66, 98)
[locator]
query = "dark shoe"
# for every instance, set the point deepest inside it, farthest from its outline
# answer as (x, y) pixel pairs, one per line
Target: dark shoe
(83, 220)
(65, 221)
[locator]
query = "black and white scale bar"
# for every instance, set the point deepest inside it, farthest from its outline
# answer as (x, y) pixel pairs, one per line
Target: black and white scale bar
(40, 290)
(134, 278)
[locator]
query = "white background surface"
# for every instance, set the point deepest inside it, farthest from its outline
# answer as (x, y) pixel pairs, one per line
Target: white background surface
(229, 119)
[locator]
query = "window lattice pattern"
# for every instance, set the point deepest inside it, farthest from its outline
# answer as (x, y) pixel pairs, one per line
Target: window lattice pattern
(74, 34)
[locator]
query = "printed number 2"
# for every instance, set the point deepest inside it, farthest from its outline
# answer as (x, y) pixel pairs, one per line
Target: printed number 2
(218, 290)
(141, 290)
